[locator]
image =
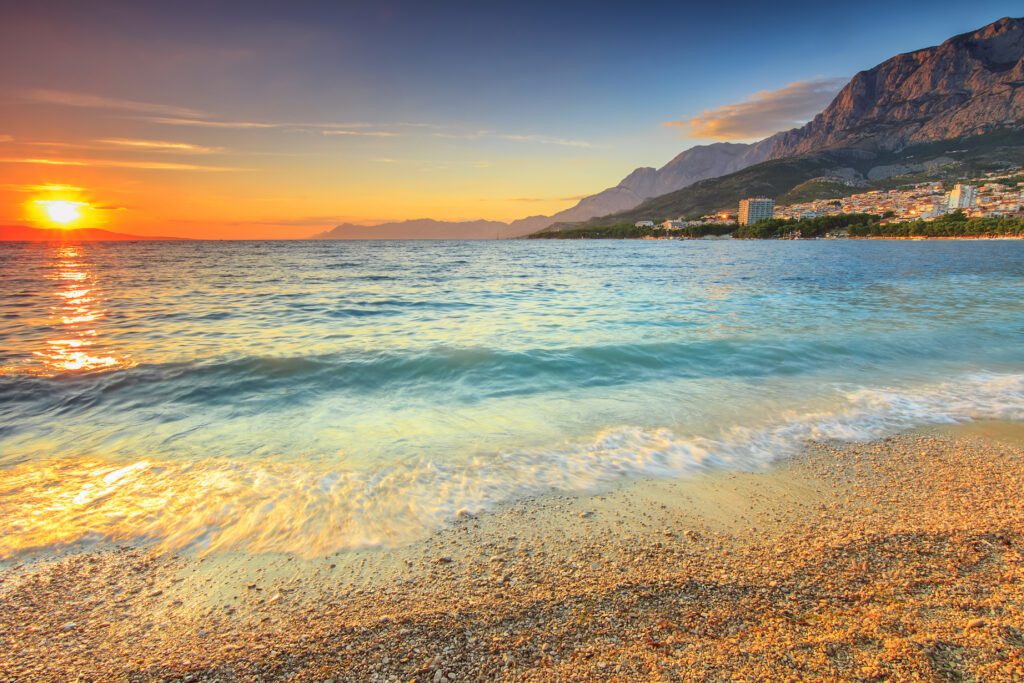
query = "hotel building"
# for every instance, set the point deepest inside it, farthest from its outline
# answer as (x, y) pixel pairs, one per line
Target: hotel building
(756, 209)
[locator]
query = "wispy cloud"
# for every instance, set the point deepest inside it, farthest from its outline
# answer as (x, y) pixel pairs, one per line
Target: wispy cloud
(110, 163)
(531, 200)
(6, 138)
(88, 101)
(764, 112)
(160, 146)
(363, 133)
(44, 187)
(544, 140)
(432, 163)
(207, 123)
(173, 115)
(516, 137)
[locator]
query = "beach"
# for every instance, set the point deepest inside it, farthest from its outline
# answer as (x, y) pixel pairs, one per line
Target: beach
(896, 559)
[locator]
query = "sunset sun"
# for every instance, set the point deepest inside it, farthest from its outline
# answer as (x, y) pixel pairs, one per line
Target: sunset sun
(62, 212)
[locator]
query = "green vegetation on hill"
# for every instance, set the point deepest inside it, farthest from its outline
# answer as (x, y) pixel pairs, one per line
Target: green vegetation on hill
(618, 231)
(855, 224)
(811, 227)
(956, 224)
(953, 225)
(816, 188)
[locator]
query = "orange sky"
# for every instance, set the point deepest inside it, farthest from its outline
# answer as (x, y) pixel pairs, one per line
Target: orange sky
(178, 184)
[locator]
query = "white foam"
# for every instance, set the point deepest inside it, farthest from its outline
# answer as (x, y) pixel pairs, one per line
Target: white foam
(221, 504)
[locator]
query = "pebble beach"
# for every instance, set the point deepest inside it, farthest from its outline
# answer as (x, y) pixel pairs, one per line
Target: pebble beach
(901, 559)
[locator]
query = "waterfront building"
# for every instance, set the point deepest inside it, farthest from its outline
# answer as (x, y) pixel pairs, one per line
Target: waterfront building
(756, 209)
(963, 197)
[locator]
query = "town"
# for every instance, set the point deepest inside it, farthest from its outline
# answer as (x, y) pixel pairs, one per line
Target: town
(994, 195)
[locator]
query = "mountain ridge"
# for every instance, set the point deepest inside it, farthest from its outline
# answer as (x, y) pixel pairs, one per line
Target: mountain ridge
(967, 85)
(23, 233)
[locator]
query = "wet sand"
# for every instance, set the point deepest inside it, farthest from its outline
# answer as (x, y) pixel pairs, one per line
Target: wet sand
(901, 559)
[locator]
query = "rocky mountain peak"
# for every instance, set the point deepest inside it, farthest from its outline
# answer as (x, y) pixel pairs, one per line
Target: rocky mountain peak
(970, 84)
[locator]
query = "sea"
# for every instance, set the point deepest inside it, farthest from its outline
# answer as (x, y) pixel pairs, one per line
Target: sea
(326, 396)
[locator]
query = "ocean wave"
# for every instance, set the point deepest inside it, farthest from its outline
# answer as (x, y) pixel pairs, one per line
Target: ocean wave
(467, 374)
(221, 504)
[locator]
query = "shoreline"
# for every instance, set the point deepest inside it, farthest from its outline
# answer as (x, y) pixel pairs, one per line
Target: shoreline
(896, 558)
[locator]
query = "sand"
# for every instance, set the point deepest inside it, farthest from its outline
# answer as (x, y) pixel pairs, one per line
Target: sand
(896, 560)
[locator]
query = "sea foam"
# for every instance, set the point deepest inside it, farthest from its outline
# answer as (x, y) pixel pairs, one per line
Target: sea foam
(209, 505)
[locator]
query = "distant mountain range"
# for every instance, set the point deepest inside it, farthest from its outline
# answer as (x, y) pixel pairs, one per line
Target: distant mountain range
(422, 228)
(971, 85)
(695, 164)
(21, 233)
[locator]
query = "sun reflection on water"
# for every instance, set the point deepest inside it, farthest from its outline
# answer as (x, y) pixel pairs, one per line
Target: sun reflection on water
(74, 345)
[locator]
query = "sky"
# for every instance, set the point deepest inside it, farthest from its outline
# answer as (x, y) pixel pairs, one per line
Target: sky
(281, 119)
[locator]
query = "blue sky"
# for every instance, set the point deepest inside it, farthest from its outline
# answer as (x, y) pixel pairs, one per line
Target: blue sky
(553, 100)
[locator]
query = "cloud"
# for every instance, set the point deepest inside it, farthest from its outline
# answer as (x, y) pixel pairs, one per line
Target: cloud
(172, 115)
(574, 198)
(6, 138)
(205, 123)
(764, 112)
(544, 140)
(160, 146)
(44, 187)
(433, 164)
(84, 100)
(109, 163)
(363, 133)
(516, 137)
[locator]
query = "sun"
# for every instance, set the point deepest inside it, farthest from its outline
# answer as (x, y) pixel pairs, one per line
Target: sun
(62, 211)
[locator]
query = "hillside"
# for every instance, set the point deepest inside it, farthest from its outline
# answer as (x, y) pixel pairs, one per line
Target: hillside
(21, 233)
(945, 160)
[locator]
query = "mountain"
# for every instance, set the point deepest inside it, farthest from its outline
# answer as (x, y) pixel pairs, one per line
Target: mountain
(420, 229)
(827, 174)
(696, 163)
(21, 233)
(959, 104)
(968, 85)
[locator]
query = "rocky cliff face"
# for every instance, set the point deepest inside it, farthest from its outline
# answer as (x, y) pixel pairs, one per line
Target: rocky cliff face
(970, 84)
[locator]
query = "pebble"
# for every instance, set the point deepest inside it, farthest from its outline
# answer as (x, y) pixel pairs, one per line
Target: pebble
(819, 588)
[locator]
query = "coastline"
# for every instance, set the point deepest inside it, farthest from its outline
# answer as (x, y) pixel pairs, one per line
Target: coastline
(897, 558)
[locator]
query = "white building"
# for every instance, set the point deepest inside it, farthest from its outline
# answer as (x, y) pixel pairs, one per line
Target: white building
(963, 197)
(644, 224)
(673, 225)
(756, 209)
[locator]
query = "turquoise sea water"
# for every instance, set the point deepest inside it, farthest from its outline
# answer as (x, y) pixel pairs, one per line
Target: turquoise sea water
(320, 396)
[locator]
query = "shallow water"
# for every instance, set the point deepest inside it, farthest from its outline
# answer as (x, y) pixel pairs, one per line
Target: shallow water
(320, 396)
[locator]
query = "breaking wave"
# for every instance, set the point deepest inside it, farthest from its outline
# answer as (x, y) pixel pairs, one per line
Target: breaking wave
(223, 504)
